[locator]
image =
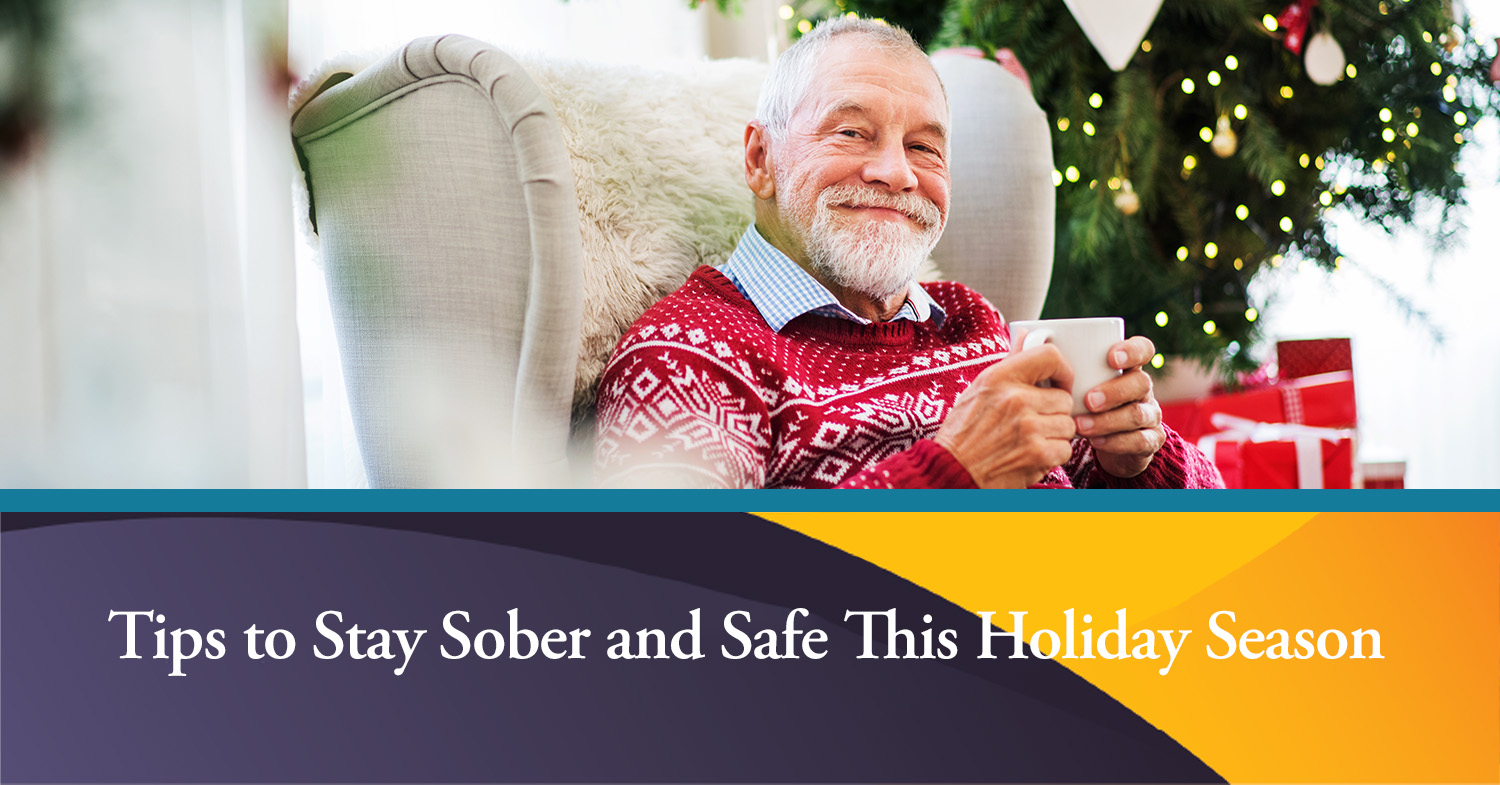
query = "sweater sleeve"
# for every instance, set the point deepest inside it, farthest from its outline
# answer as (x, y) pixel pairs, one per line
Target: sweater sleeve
(924, 465)
(667, 419)
(1176, 465)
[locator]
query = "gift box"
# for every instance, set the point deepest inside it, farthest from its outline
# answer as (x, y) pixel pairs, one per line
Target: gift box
(1383, 475)
(1296, 359)
(1280, 455)
(1323, 400)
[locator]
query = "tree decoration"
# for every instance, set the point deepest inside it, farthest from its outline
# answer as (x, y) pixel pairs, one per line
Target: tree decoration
(1225, 142)
(1115, 27)
(1126, 200)
(1293, 20)
(1324, 59)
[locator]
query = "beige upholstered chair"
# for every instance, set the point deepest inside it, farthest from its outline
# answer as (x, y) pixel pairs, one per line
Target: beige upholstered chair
(489, 227)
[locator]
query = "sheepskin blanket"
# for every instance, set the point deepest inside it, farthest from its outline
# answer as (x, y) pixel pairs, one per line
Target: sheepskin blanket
(658, 164)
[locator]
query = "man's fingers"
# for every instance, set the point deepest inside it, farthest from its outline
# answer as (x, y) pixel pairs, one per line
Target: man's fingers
(1042, 364)
(1134, 385)
(1130, 417)
(1141, 442)
(1132, 353)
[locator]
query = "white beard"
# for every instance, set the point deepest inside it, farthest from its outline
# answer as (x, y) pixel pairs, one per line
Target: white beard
(879, 258)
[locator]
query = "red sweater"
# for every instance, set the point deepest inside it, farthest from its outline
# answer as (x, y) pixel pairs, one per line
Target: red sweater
(702, 393)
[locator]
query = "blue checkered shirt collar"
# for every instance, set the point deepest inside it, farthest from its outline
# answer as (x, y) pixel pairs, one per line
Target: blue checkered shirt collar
(782, 291)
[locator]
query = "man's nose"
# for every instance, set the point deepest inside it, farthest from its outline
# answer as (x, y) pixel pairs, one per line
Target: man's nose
(889, 166)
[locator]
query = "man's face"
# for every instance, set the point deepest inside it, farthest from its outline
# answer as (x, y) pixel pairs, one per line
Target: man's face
(862, 177)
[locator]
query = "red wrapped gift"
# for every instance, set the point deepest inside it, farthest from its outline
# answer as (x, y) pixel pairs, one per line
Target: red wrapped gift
(1325, 400)
(1280, 455)
(1295, 359)
(1383, 475)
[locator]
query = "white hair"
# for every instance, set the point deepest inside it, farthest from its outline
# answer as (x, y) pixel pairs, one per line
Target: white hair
(793, 72)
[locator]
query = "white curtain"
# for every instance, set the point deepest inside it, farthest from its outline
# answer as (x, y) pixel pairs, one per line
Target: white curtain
(147, 326)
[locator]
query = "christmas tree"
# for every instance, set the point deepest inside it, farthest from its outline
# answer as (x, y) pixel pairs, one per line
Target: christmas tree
(1221, 145)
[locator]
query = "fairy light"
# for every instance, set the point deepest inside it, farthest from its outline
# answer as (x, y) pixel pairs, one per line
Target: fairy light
(1449, 94)
(851, 15)
(805, 26)
(1286, 91)
(1231, 62)
(1197, 307)
(1411, 129)
(1426, 36)
(1278, 187)
(785, 12)
(1458, 139)
(1071, 174)
(1251, 314)
(1318, 162)
(1239, 264)
(1209, 327)
(1189, 162)
(1093, 184)
(1211, 250)
(1158, 360)
(1338, 262)
(1240, 112)
(1286, 223)
(1385, 115)
(1062, 123)
(1303, 160)
(1096, 100)
(1114, 183)
(1437, 69)
(1057, 177)
(1187, 85)
(1388, 135)
(1146, 45)
(1161, 318)
(1206, 134)
(1276, 260)
(1270, 22)
(1242, 212)
(1088, 128)
(1326, 199)
(1213, 78)
(1182, 253)
(1351, 71)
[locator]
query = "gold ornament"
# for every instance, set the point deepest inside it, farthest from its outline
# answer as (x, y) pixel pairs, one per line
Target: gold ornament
(1225, 142)
(1126, 201)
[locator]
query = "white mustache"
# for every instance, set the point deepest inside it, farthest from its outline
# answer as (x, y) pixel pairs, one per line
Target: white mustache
(921, 210)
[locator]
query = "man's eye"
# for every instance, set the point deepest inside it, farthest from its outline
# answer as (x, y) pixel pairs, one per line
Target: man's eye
(850, 132)
(922, 148)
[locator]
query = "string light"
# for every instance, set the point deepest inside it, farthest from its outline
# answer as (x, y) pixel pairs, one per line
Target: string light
(1197, 307)
(1088, 128)
(1187, 85)
(1211, 250)
(785, 12)
(1231, 62)
(851, 15)
(1278, 187)
(1206, 134)
(1209, 327)
(1158, 361)
(1449, 94)
(1189, 162)
(1437, 69)
(1270, 22)
(1326, 198)
(1071, 174)
(1213, 78)
(1242, 212)
(1240, 111)
(1062, 123)
(1161, 318)
(1318, 162)
(1385, 115)
(1286, 91)
(1114, 183)
(1351, 71)
(1426, 36)
(1057, 177)
(1411, 129)
(1251, 314)
(1286, 223)
(1276, 260)
(1145, 46)
(1182, 253)
(1304, 160)
(1388, 135)
(1458, 139)
(805, 26)
(1096, 100)
(1239, 264)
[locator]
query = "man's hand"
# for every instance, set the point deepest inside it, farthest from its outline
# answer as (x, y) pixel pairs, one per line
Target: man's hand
(1124, 426)
(1007, 431)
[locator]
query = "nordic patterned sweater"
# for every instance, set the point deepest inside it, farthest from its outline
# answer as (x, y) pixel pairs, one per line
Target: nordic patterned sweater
(701, 392)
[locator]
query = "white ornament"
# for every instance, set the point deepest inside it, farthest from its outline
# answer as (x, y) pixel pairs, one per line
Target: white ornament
(1115, 27)
(1324, 59)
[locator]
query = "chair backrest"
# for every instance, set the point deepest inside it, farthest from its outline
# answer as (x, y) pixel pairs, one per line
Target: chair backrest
(489, 228)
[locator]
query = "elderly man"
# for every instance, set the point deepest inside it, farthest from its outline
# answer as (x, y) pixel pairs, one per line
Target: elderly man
(812, 359)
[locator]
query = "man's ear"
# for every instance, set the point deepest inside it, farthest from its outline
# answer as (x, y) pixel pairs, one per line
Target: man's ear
(758, 174)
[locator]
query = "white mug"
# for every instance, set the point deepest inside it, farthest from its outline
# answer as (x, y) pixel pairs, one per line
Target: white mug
(1084, 343)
